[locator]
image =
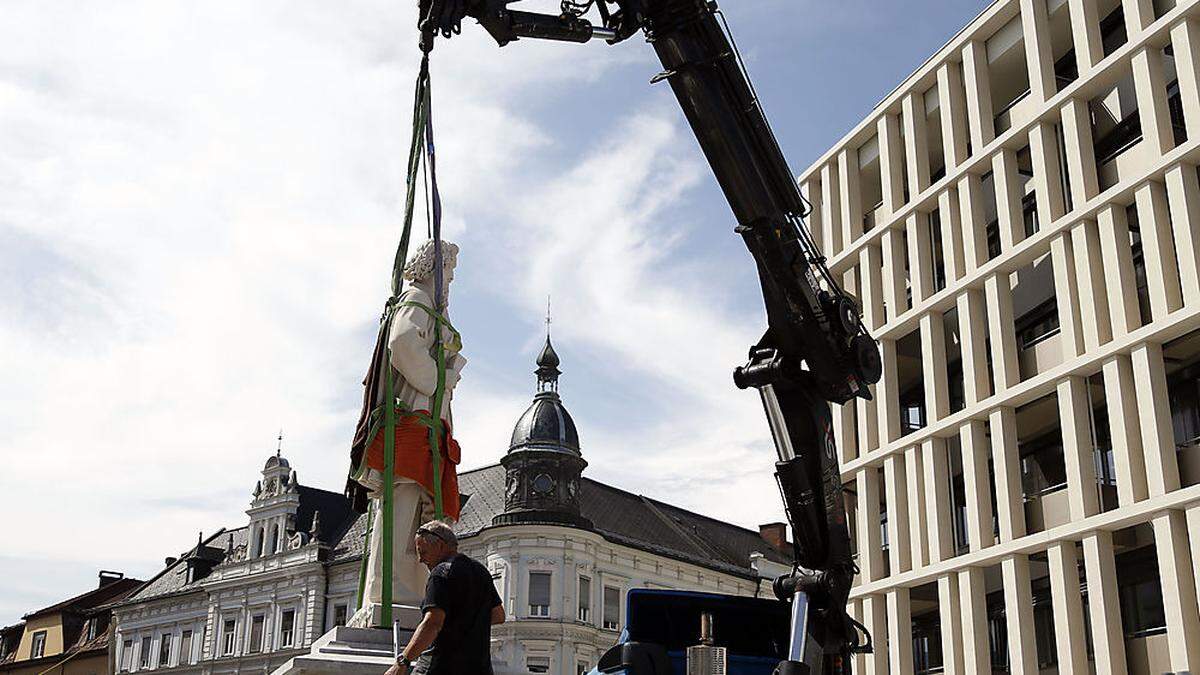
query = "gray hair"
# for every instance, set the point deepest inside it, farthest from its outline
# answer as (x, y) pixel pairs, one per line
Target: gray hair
(436, 529)
(420, 266)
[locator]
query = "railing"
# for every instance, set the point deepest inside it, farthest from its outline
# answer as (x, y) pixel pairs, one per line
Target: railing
(1003, 119)
(1126, 134)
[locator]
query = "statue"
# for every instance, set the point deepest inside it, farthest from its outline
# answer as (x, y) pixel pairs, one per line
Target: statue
(410, 339)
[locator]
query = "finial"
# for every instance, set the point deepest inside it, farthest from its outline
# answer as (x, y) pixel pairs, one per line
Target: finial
(279, 444)
(547, 316)
(316, 525)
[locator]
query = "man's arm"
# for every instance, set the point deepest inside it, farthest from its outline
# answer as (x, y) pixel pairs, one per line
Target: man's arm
(424, 636)
(497, 615)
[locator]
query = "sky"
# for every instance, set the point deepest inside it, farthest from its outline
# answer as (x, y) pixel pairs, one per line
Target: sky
(199, 203)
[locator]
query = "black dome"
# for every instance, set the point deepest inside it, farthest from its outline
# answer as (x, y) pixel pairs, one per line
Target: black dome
(546, 425)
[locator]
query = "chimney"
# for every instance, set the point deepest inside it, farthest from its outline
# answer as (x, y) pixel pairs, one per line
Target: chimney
(107, 577)
(774, 534)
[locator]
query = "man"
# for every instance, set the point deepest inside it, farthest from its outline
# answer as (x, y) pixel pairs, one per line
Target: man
(460, 607)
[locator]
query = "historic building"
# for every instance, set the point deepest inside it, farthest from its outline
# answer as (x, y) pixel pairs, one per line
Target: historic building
(68, 637)
(563, 551)
(1020, 219)
(246, 599)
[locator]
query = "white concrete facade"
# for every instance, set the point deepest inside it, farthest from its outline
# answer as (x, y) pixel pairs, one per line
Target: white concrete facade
(1020, 220)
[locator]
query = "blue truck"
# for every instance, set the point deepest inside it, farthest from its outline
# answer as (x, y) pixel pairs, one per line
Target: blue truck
(661, 625)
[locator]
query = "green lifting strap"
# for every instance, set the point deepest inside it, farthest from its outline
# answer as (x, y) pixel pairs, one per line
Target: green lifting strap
(420, 116)
(420, 148)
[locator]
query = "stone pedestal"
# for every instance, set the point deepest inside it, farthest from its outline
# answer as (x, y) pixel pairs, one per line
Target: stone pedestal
(353, 651)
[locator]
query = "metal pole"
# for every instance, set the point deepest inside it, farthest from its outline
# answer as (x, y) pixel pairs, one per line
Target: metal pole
(389, 460)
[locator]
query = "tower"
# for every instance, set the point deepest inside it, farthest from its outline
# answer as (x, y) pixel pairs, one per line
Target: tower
(273, 507)
(544, 463)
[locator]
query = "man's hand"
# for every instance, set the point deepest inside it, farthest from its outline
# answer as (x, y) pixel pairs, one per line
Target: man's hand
(397, 669)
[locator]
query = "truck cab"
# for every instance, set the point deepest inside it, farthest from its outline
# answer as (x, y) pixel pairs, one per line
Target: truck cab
(661, 625)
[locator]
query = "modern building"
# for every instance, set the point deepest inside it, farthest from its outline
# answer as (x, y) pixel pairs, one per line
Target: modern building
(563, 550)
(1020, 220)
(67, 638)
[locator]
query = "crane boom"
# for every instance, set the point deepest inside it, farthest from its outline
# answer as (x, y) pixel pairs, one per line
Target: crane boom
(815, 350)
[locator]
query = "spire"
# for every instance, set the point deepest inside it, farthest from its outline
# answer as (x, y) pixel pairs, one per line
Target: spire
(279, 444)
(547, 368)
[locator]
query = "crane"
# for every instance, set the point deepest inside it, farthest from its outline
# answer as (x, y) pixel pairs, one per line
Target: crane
(815, 350)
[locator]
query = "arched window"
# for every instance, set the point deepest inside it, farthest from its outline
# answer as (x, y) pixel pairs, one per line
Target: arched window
(258, 544)
(274, 538)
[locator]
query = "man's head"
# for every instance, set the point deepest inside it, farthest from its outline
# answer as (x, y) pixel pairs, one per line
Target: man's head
(435, 543)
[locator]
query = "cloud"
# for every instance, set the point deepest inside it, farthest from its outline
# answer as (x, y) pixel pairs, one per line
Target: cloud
(198, 205)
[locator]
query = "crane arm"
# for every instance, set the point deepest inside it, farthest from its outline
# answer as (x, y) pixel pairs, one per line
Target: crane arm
(815, 350)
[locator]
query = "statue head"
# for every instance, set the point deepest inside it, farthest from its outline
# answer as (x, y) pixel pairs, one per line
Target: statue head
(419, 268)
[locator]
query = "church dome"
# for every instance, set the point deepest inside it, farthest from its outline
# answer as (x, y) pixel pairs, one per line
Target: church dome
(546, 425)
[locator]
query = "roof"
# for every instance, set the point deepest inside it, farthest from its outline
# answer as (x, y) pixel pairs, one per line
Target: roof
(632, 520)
(619, 516)
(114, 590)
(545, 425)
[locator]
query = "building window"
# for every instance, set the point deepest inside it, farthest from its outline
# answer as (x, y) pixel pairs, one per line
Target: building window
(273, 545)
(539, 594)
(339, 615)
(164, 650)
(612, 608)
(582, 667)
(287, 628)
(998, 639)
(1037, 324)
(538, 664)
(185, 648)
(1043, 630)
(256, 634)
(1142, 611)
(1043, 467)
(127, 656)
(258, 546)
(228, 637)
(927, 649)
(912, 411)
(39, 645)
(498, 582)
(144, 659)
(585, 599)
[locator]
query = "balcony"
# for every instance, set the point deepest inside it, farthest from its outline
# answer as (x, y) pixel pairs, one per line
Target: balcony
(873, 216)
(1047, 509)
(1016, 112)
(1188, 456)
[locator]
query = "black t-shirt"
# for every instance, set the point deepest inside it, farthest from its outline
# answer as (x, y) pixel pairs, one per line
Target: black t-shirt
(463, 589)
